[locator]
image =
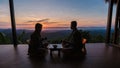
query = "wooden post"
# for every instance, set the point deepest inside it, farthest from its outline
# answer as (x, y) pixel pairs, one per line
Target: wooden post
(109, 21)
(11, 4)
(117, 22)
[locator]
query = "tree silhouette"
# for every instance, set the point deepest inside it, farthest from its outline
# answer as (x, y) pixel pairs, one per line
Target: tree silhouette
(21, 37)
(86, 35)
(4, 39)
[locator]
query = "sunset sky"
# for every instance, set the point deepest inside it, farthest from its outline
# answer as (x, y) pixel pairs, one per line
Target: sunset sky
(55, 13)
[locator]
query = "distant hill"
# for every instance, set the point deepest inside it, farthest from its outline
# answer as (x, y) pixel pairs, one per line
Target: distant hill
(53, 34)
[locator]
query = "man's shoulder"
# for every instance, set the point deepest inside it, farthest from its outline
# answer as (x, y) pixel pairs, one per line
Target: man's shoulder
(77, 32)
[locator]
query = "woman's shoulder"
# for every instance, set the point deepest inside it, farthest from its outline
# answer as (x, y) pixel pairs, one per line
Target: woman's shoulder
(34, 34)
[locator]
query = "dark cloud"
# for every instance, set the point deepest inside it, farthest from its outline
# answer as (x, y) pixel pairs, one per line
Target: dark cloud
(23, 24)
(3, 23)
(42, 20)
(30, 21)
(62, 24)
(49, 22)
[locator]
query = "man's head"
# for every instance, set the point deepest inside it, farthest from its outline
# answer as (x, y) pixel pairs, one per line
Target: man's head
(38, 27)
(73, 25)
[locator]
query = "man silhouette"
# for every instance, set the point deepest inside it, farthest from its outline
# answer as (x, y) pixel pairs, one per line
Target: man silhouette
(74, 41)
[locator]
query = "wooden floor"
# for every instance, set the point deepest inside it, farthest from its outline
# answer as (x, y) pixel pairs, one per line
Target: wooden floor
(98, 56)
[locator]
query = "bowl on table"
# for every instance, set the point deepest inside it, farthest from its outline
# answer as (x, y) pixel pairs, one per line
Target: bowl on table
(55, 46)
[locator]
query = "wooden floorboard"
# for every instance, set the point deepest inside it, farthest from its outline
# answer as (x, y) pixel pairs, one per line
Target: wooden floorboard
(98, 56)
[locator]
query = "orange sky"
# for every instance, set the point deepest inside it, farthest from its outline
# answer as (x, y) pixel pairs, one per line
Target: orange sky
(53, 14)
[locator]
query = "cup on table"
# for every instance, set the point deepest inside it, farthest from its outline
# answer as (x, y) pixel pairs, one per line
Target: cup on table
(55, 46)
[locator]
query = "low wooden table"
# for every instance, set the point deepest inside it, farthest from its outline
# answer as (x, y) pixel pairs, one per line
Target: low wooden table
(58, 48)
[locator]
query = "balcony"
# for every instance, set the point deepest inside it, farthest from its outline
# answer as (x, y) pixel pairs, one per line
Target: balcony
(98, 56)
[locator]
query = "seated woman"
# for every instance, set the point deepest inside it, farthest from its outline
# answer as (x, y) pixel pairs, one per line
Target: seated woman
(36, 46)
(73, 45)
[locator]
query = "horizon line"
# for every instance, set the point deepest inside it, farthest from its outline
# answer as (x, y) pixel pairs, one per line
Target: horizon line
(62, 27)
(57, 28)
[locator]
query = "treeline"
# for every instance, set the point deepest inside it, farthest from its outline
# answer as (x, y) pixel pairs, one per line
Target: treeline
(91, 38)
(52, 37)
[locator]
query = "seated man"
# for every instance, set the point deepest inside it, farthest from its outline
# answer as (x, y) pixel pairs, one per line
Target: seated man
(73, 44)
(36, 46)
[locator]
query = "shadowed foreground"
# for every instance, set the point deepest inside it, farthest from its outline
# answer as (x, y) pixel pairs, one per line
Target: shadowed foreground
(98, 56)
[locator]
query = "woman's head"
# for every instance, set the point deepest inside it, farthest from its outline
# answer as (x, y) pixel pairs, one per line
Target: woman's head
(38, 27)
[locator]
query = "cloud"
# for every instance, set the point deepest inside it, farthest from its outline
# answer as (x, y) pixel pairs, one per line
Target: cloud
(5, 25)
(23, 24)
(62, 24)
(50, 22)
(42, 20)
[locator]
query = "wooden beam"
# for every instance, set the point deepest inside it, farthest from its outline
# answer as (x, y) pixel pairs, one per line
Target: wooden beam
(109, 21)
(117, 22)
(11, 5)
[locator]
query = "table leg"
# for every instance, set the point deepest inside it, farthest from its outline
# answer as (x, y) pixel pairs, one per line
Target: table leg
(50, 52)
(59, 53)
